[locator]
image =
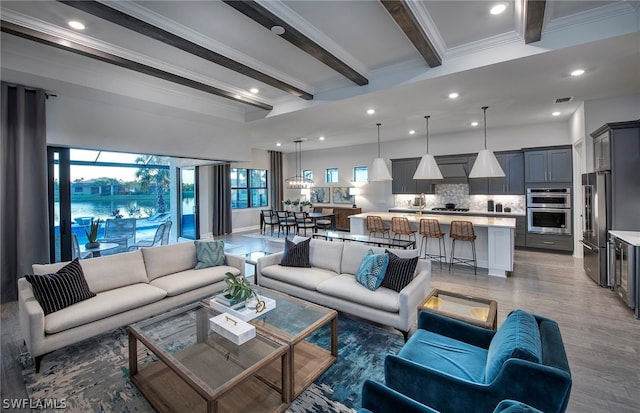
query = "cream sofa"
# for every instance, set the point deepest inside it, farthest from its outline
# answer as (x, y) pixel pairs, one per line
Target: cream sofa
(331, 282)
(129, 287)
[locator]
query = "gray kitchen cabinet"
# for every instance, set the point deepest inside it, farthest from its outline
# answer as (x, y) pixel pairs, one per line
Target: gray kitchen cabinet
(602, 152)
(477, 186)
(521, 232)
(548, 165)
(512, 183)
(402, 171)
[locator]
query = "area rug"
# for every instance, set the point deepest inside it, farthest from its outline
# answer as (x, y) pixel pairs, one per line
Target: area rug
(93, 375)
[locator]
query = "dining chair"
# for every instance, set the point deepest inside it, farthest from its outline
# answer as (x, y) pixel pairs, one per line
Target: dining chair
(285, 221)
(303, 222)
(325, 223)
(157, 239)
(269, 219)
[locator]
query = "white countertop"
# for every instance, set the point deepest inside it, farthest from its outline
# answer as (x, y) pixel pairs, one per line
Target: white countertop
(443, 219)
(479, 212)
(632, 237)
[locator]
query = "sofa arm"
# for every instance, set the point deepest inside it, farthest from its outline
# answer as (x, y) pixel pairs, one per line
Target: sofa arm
(377, 397)
(456, 329)
(31, 317)
(236, 261)
(267, 261)
(411, 295)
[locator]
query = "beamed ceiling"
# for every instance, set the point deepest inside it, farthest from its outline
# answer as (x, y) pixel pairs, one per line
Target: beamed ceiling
(330, 61)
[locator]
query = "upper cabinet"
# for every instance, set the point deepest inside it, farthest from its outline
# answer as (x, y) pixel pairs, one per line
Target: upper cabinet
(512, 183)
(602, 151)
(548, 165)
(402, 171)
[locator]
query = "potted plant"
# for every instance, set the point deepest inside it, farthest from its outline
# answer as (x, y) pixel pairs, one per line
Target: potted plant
(307, 206)
(239, 290)
(92, 234)
(287, 204)
(296, 204)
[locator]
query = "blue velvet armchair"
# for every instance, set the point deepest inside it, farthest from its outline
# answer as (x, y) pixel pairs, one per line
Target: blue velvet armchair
(376, 397)
(452, 366)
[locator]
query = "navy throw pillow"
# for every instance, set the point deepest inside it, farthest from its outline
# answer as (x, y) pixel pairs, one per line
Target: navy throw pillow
(296, 255)
(399, 272)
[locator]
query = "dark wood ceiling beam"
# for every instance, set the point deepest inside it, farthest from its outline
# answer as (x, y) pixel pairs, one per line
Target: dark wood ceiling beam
(267, 19)
(399, 10)
(92, 53)
(139, 26)
(534, 15)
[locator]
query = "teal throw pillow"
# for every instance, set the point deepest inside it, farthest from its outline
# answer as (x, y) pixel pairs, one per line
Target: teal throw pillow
(209, 253)
(372, 269)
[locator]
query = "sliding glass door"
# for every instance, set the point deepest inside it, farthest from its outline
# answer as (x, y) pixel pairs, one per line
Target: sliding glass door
(189, 219)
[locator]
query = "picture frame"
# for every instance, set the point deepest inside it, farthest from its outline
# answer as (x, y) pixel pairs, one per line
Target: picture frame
(340, 195)
(320, 195)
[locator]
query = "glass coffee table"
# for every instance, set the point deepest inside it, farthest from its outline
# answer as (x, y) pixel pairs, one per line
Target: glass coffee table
(193, 369)
(477, 311)
(292, 321)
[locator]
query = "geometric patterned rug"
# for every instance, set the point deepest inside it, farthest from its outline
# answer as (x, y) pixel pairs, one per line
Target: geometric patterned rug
(93, 375)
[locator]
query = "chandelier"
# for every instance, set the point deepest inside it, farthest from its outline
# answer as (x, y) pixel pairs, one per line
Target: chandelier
(298, 181)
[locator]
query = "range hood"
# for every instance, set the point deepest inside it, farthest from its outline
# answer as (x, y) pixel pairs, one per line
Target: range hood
(453, 173)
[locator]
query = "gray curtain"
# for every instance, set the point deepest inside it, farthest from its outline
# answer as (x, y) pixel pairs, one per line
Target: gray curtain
(221, 200)
(24, 212)
(277, 191)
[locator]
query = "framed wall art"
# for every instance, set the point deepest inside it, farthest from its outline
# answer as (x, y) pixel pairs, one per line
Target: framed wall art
(320, 195)
(341, 195)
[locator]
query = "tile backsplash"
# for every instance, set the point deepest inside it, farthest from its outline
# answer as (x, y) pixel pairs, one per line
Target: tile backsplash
(459, 194)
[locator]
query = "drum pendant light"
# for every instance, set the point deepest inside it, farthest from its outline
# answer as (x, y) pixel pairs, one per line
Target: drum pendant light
(379, 171)
(428, 167)
(486, 164)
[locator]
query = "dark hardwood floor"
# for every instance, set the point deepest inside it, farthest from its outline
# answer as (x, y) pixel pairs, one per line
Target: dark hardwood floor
(601, 335)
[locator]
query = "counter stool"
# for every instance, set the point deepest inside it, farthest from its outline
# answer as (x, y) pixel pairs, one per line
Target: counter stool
(325, 223)
(376, 226)
(463, 231)
(430, 228)
(400, 226)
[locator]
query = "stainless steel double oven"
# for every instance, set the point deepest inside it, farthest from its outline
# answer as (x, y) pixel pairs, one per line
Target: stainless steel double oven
(549, 210)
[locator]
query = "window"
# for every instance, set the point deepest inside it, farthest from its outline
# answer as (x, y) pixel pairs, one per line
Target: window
(360, 174)
(248, 188)
(332, 175)
(307, 174)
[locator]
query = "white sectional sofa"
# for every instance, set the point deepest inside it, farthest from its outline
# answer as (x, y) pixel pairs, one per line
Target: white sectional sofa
(331, 282)
(129, 287)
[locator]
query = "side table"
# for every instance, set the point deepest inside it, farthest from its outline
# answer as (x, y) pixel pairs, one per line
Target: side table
(481, 312)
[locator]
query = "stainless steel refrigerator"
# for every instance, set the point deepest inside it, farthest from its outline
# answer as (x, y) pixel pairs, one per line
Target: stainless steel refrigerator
(596, 219)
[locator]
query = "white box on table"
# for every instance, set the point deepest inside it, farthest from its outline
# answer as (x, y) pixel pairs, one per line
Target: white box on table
(244, 313)
(232, 328)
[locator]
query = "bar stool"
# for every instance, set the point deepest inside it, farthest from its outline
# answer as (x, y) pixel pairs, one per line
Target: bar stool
(400, 226)
(430, 228)
(463, 231)
(376, 226)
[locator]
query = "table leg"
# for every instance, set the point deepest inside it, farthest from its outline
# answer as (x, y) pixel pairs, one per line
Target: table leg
(334, 337)
(133, 355)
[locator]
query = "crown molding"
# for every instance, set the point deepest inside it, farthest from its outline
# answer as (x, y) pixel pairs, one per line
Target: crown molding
(140, 12)
(499, 40)
(419, 10)
(598, 14)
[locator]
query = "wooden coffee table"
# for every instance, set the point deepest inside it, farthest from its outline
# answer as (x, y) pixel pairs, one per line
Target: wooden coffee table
(473, 310)
(198, 370)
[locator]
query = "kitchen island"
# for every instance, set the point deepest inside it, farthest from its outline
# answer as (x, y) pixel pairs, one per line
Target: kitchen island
(494, 242)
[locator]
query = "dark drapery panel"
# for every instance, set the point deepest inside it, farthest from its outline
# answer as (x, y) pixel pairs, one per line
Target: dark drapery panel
(24, 217)
(277, 191)
(221, 200)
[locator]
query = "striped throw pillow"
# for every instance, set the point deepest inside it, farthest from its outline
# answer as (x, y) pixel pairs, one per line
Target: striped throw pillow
(62, 289)
(399, 271)
(296, 255)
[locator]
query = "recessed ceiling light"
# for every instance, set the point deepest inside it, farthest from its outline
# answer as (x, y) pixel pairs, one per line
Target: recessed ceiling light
(370, 111)
(74, 24)
(321, 138)
(412, 132)
(555, 114)
(498, 9)
(254, 90)
(577, 72)
(474, 123)
(453, 95)
(279, 30)
(278, 144)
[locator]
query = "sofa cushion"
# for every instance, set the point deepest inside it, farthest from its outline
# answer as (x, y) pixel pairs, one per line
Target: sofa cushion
(347, 288)
(352, 254)
(308, 278)
(65, 287)
(517, 337)
(324, 254)
(296, 254)
(447, 355)
(400, 271)
(169, 259)
(103, 305)
(178, 283)
(372, 270)
(209, 253)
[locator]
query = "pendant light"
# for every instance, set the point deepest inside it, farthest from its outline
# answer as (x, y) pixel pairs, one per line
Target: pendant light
(298, 181)
(486, 164)
(428, 167)
(379, 171)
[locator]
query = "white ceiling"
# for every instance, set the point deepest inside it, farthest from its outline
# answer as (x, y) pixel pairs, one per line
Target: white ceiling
(484, 58)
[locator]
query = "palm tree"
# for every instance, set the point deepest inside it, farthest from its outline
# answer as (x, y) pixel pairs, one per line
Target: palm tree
(148, 176)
